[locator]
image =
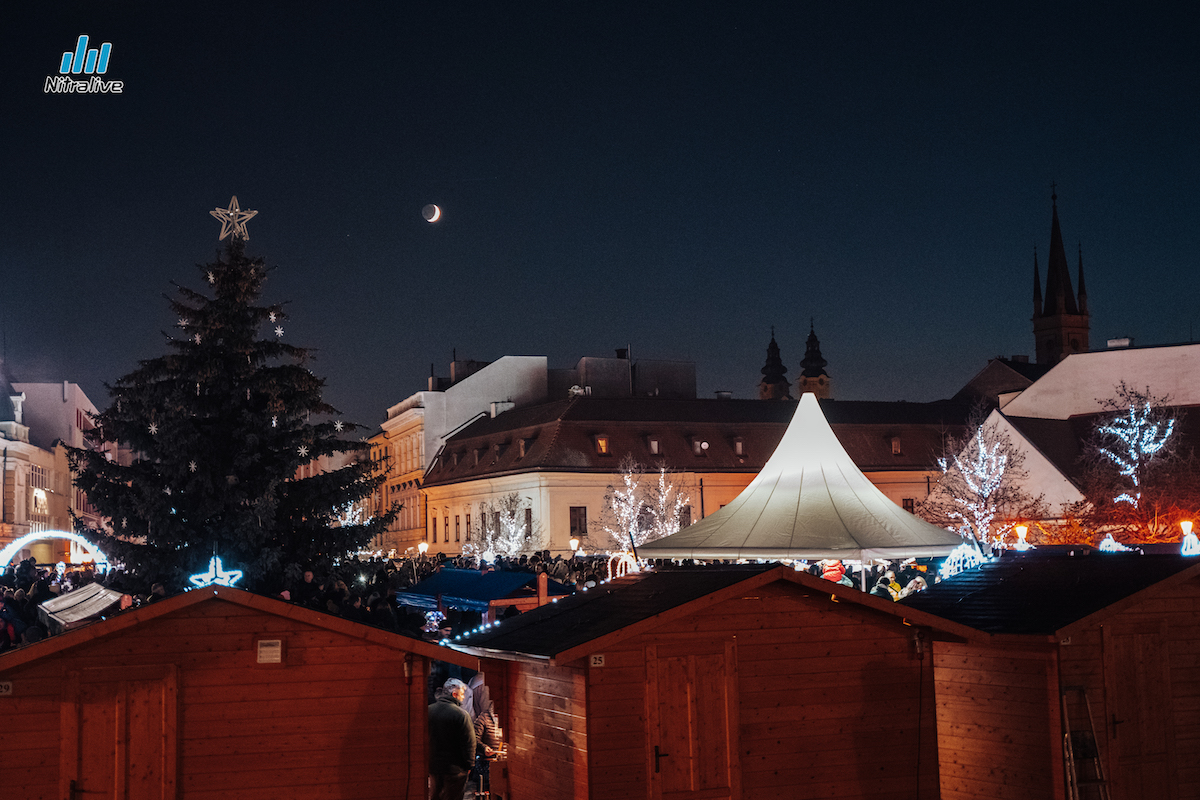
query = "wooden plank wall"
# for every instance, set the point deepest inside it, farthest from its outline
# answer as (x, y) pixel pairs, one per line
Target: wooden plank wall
(833, 701)
(1082, 664)
(546, 732)
(996, 732)
(337, 720)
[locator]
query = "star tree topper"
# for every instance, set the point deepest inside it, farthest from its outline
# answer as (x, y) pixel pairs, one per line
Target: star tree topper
(233, 220)
(216, 575)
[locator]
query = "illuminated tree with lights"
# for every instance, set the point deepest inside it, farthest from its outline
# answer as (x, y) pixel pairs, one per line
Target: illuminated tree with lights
(641, 509)
(218, 428)
(980, 493)
(506, 529)
(1138, 482)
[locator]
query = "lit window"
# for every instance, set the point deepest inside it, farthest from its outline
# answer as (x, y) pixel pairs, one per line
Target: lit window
(895, 445)
(602, 445)
(699, 447)
(739, 446)
(521, 448)
(655, 445)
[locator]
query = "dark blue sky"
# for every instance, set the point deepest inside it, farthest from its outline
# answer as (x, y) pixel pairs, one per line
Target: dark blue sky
(673, 177)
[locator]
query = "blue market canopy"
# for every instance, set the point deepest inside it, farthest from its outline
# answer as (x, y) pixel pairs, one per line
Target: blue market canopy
(475, 591)
(810, 501)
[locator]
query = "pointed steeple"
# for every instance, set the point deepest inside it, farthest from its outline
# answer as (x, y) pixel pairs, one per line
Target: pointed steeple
(1083, 309)
(1037, 286)
(1060, 299)
(813, 365)
(774, 385)
(813, 377)
(1060, 319)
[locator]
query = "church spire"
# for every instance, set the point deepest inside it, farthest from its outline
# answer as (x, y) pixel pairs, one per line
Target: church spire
(1060, 320)
(774, 384)
(1083, 309)
(1060, 299)
(1037, 286)
(813, 377)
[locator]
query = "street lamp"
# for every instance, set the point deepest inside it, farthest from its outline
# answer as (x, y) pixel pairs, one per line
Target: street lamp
(423, 547)
(1021, 544)
(574, 545)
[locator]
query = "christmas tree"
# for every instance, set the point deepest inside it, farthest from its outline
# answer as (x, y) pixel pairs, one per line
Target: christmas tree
(218, 427)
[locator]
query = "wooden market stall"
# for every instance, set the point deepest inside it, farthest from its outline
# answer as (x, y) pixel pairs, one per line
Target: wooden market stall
(717, 682)
(1119, 633)
(218, 694)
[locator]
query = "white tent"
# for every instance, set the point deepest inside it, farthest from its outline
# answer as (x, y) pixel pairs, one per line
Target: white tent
(809, 502)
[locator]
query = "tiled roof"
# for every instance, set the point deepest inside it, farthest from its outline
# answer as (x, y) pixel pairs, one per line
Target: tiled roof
(1041, 594)
(572, 621)
(561, 436)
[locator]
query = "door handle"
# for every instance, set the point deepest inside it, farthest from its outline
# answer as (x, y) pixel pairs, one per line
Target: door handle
(658, 756)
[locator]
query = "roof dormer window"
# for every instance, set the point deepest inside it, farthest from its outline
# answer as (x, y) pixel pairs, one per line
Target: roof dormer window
(603, 445)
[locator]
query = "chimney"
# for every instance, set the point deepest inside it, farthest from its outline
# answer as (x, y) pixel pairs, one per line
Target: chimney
(623, 353)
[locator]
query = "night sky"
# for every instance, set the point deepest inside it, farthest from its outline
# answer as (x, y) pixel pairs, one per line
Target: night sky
(675, 178)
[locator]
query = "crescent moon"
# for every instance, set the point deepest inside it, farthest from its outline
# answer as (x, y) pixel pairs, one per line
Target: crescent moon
(431, 213)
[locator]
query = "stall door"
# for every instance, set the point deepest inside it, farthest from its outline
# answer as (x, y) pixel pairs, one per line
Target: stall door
(119, 734)
(1140, 725)
(692, 717)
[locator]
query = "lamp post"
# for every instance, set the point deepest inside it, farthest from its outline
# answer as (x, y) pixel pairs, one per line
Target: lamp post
(423, 548)
(1021, 544)
(574, 543)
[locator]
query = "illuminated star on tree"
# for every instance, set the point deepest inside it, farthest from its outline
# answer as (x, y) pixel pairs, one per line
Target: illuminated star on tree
(153, 428)
(216, 575)
(279, 330)
(302, 450)
(212, 278)
(191, 466)
(337, 426)
(272, 316)
(233, 220)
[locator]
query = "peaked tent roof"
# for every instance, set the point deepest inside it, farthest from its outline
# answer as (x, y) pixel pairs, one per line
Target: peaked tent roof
(809, 501)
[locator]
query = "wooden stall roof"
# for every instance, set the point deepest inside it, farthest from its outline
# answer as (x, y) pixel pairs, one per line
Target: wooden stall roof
(469, 588)
(568, 629)
(106, 628)
(1043, 595)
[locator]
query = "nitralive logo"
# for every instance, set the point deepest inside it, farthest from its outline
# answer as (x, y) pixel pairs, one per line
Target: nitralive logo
(88, 62)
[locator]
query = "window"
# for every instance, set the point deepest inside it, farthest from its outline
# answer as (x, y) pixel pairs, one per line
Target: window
(496, 522)
(655, 445)
(739, 446)
(578, 521)
(699, 446)
(446, 527)
(528, 523)
(909, 504)
(468, 527)
(685, 516)
(435, 530)
(521, 448)
(456, 528)
(602, 445)
(477, 456)
(895, 445)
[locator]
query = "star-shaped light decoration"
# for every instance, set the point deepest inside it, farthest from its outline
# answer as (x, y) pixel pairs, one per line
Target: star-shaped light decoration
(124, 522)
(302, 450)
(153, 428)
(211, 277)
(191, 466)
(233, 220)
(182, 322)
(272, 316)
(216, 575)
(337, 426)
(279, 330)
(274, 421)
(197, 338)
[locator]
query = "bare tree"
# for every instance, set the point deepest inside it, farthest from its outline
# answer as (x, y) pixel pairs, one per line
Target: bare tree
(642, 506)
(507, 528)
(981, 494)
(1139, 482)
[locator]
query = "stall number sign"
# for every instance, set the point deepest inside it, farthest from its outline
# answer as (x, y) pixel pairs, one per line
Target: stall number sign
(5, 688)
(598, 660)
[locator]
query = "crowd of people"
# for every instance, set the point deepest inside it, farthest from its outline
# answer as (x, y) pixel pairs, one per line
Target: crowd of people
(365, 590)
